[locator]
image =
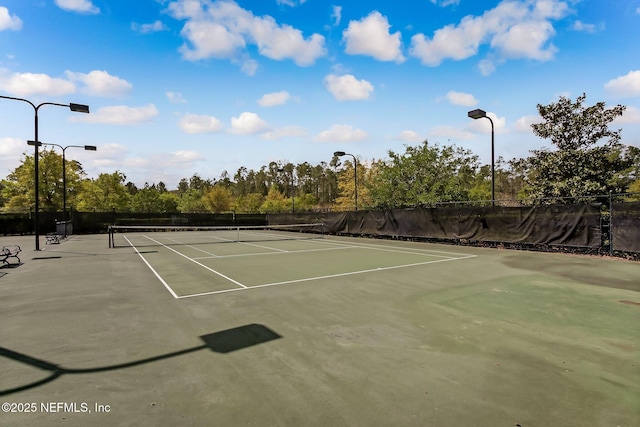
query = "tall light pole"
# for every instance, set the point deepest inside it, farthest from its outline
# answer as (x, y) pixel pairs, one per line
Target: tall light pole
(355, 173)
(479, 114)
(64, 172)
(79, 108)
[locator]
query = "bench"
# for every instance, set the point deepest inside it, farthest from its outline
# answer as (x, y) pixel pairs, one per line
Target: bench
(53, 238)
(10, 251)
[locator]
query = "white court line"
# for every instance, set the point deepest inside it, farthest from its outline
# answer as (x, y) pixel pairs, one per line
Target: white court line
(212, 255)
(280, 253)
(199, 263)
(329, 276)
(152, 269)
(263, 247)
(399, 247)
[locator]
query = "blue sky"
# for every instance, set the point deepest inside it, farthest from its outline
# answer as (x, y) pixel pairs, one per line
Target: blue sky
(179, 87)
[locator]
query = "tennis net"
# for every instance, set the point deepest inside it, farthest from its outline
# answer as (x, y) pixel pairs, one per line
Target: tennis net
(149, 235)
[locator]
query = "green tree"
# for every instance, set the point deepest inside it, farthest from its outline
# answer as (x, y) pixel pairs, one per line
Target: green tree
(217, 199)
(105, 193)
(346, 185)
(147, 200)
(423, 175)
(250, 203)
(635, 189)
(191, 201)
(169, 202)
(275, 202)
(588, 158)
(19, 190)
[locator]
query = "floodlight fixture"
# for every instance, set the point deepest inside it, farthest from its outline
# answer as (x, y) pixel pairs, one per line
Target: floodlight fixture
(477, 113)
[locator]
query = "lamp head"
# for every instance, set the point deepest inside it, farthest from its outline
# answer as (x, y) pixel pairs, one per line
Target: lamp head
(34, 143)
(90, 147)
(339, 153)
(477, 114)
(79, 108)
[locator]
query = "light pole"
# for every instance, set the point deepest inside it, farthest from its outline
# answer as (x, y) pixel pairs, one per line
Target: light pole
(79, 108)
(64, 173)
(355, 173)
(479, 114)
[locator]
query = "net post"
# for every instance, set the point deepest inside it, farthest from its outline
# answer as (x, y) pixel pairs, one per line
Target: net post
(110, 236)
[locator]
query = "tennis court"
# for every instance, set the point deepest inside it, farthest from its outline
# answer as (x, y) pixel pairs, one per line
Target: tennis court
(195, 262)
(168, 328)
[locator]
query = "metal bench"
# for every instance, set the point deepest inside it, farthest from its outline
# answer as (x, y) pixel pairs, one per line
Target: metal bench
(10, 251)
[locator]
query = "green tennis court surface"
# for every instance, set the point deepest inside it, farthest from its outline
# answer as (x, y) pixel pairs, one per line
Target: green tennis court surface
(206, 267)
(167, 329)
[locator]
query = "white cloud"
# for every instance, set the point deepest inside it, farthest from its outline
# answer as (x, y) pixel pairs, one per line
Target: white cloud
(630, 115)
(194, 124)
(154, 27)
(410, 136)
(112, 151)
(336, 15)
(526, 40)
(512, 29)
(445, 3)
(285, 42)
(449, 42)
(292, 3)
(101, 83)
(222, 30)
(119, 115)
(96, 83)
(176, 97)
(341, 133)
(28, 84)
(80, 6)
(209, 40)
(9, 22)
(484, 126)
(347, 87)
(370, 36)
(284, 132)
(625, 86)
(249, 66)
(12, 148)
(449, 132)
(461, 98)
(487, 66)
(274, 98)
(184, 157)
(587, 28)
(248, 124)
(523, 124)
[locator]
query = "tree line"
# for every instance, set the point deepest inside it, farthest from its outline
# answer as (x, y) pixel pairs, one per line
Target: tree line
(587, 159)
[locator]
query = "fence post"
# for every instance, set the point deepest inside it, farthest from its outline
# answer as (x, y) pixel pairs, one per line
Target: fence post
(610, 224)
